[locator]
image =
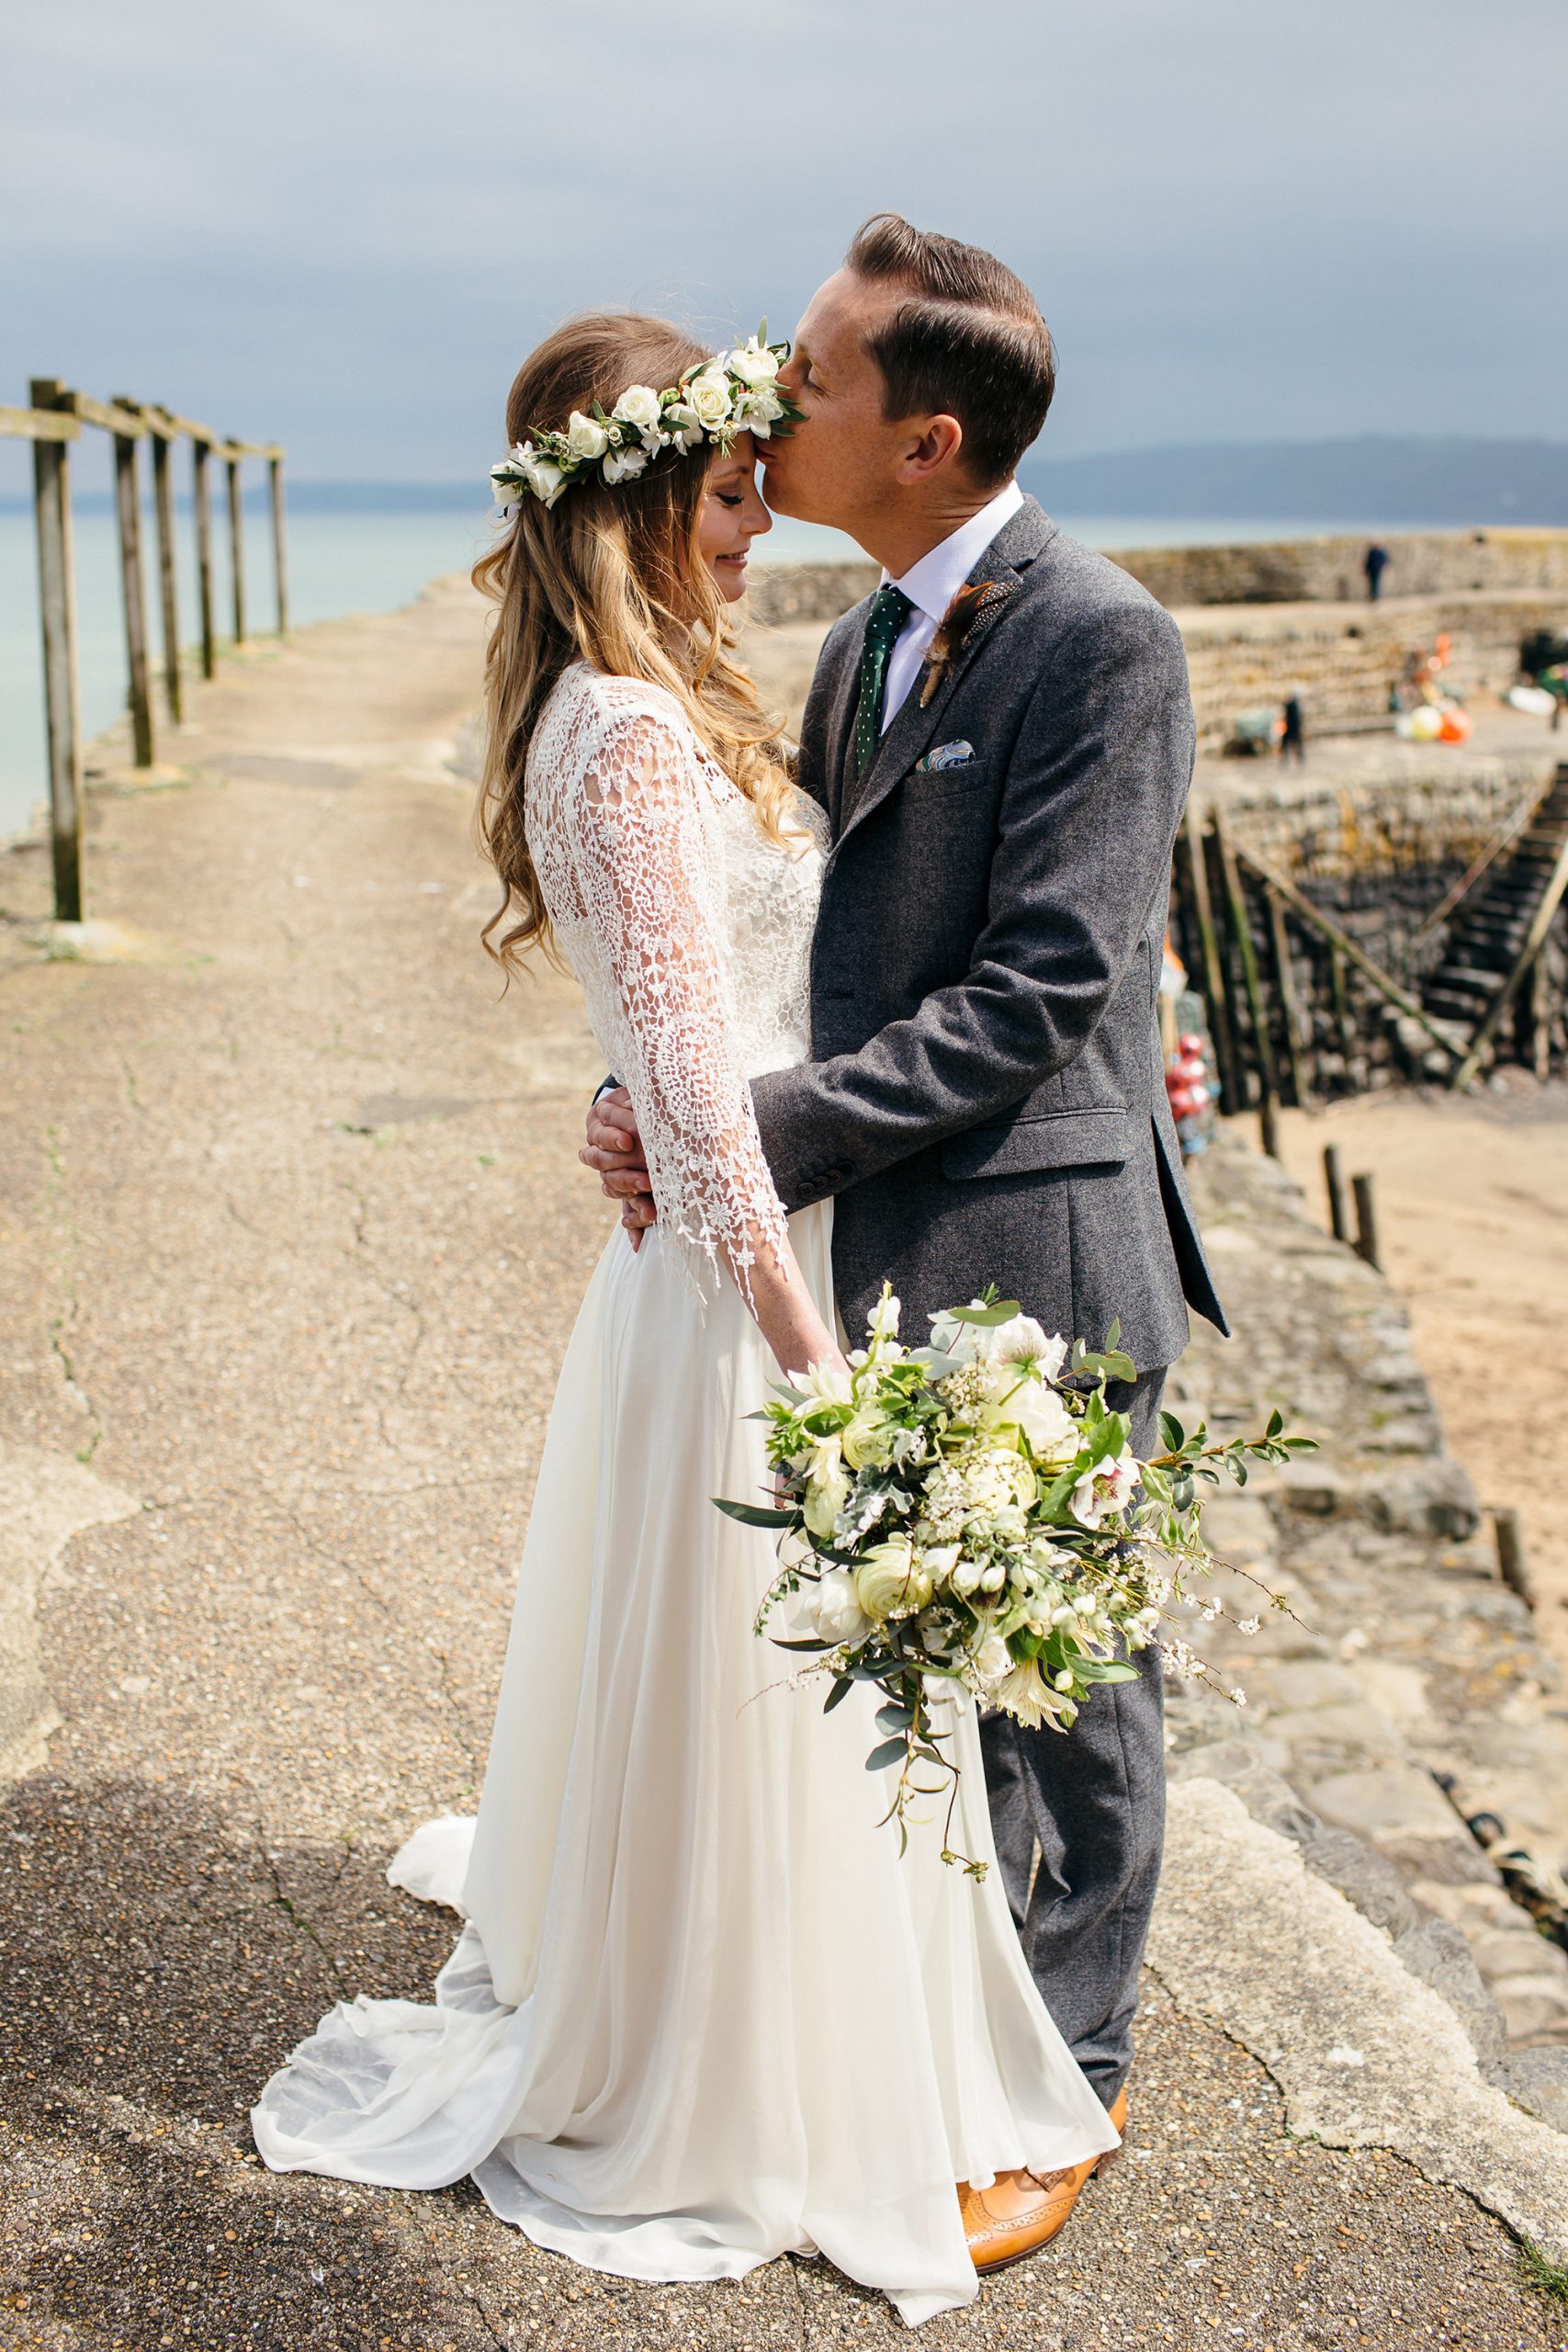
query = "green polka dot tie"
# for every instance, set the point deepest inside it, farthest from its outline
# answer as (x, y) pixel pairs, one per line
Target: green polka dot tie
(890, 608)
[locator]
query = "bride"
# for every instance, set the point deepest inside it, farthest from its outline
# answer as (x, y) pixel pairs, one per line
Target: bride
(701, 2012)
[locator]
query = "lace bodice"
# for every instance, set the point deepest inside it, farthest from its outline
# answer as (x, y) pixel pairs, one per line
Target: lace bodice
(689, 931)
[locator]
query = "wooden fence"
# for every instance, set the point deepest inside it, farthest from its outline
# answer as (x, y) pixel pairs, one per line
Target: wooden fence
(54, 419)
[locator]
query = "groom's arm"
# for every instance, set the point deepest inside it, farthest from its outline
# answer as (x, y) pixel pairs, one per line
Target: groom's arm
(1095, 789)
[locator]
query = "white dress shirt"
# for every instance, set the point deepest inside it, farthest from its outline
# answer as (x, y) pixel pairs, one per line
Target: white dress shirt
(931, 585)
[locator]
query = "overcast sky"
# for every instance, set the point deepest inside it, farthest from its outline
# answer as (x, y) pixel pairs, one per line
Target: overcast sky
(343, 223)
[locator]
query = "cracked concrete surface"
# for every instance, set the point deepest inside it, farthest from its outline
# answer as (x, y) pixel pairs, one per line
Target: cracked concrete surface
(297, 1196)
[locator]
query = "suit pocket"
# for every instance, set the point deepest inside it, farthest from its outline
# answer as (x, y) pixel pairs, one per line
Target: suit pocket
(1054, 1139)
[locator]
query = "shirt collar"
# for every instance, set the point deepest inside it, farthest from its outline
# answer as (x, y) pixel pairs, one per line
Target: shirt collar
(932, 582)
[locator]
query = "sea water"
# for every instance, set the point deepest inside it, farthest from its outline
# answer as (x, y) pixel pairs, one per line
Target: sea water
(369, 562)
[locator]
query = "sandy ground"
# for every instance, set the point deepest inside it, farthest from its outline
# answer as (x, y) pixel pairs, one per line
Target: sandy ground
(1473, 1211)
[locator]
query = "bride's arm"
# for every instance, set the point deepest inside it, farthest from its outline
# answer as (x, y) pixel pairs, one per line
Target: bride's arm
(642, 852)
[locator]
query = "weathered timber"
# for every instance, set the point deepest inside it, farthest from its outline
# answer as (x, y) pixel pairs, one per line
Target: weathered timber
(128, 511)
(1290, 1004)
(1511, 1564)
(37, 424)
(1334, 1185)
(57, 607)
(1386, 987)
(126, 423)
(1473, 873)
(201, 498)
(1366, 1243)
(1196, 876)
(1252, 983)
(237, 546)
(279, 540)
(167, 585)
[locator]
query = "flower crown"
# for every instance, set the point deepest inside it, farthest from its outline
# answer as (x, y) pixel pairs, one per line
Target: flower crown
(734, 392)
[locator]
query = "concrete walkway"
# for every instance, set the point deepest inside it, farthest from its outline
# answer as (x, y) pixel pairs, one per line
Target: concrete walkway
(292, 1239)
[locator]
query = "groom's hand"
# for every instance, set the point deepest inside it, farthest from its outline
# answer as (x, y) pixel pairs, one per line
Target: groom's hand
(614, 1148)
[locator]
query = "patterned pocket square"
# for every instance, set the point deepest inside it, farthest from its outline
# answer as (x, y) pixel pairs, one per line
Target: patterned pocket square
(946, 755)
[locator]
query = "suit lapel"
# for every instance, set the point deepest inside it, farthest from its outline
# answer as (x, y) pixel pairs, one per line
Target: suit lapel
(913, 731)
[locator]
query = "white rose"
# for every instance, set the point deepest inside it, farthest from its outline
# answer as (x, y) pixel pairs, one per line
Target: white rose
(753, 363)
(638, 406)
(545, 480)
(621, 465)
(708, 397)
(584, 438)
(835, 1611)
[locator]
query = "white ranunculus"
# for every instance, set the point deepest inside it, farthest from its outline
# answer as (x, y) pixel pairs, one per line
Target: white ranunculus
(623, 465)
(584, 436)
(890, 1579)
(868, 1440)
(834, 1609)
(639, 406)
(825, 1499)
(708, 397)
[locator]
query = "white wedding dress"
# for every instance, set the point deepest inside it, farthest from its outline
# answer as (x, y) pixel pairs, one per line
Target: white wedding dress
(700, 2013)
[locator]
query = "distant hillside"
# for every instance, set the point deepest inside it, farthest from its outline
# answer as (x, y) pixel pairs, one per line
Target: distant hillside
(1377, 478)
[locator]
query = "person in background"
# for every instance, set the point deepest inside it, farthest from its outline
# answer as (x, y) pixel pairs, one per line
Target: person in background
(1292, 743)
(1373, 563)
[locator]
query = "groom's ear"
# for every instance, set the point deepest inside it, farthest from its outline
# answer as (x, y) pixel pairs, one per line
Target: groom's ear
(934, 444)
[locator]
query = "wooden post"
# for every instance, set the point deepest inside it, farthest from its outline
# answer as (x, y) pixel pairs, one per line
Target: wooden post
(1511, 1566)
(1233, 1093)
(128, 509)
(1252, 981)
(1290, 1005)
(279, 544)
(168, 588)
(1334, 1183)
(1365, 1221)
(201, 491)
(237, 546)
(57, 610)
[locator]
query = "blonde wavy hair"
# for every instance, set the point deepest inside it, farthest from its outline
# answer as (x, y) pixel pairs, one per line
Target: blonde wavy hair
(612, 574)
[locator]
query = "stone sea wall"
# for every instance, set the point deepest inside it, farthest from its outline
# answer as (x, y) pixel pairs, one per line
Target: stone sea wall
(1404, 1726)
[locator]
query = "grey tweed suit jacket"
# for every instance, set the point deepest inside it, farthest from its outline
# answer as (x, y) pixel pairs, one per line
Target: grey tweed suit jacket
(985, 1100)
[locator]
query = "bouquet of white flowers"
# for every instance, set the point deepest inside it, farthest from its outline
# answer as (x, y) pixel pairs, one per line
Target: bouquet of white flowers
(967, 1522)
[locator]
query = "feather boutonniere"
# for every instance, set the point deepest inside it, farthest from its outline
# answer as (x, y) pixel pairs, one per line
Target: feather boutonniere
(979, 600)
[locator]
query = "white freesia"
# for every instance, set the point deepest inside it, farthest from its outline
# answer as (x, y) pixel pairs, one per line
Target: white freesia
(828, 1383)
(883, 1320)
(638, 406)
(621, 465)
(585, 438)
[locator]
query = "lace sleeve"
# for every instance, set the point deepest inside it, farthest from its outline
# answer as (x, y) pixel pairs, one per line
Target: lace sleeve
(642, 831)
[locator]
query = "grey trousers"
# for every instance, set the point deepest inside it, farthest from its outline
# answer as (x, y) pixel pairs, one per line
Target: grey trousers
(1091, 1802)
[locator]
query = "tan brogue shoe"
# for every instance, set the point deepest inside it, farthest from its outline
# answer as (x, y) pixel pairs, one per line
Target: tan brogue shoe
(1022, 2211)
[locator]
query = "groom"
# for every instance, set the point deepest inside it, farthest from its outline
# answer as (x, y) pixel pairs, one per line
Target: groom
(1003, 737)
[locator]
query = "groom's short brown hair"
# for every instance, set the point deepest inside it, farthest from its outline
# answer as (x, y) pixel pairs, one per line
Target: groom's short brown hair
(969, 342)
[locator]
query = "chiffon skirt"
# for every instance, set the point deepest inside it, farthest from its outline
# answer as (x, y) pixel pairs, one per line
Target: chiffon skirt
(700, 2013)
